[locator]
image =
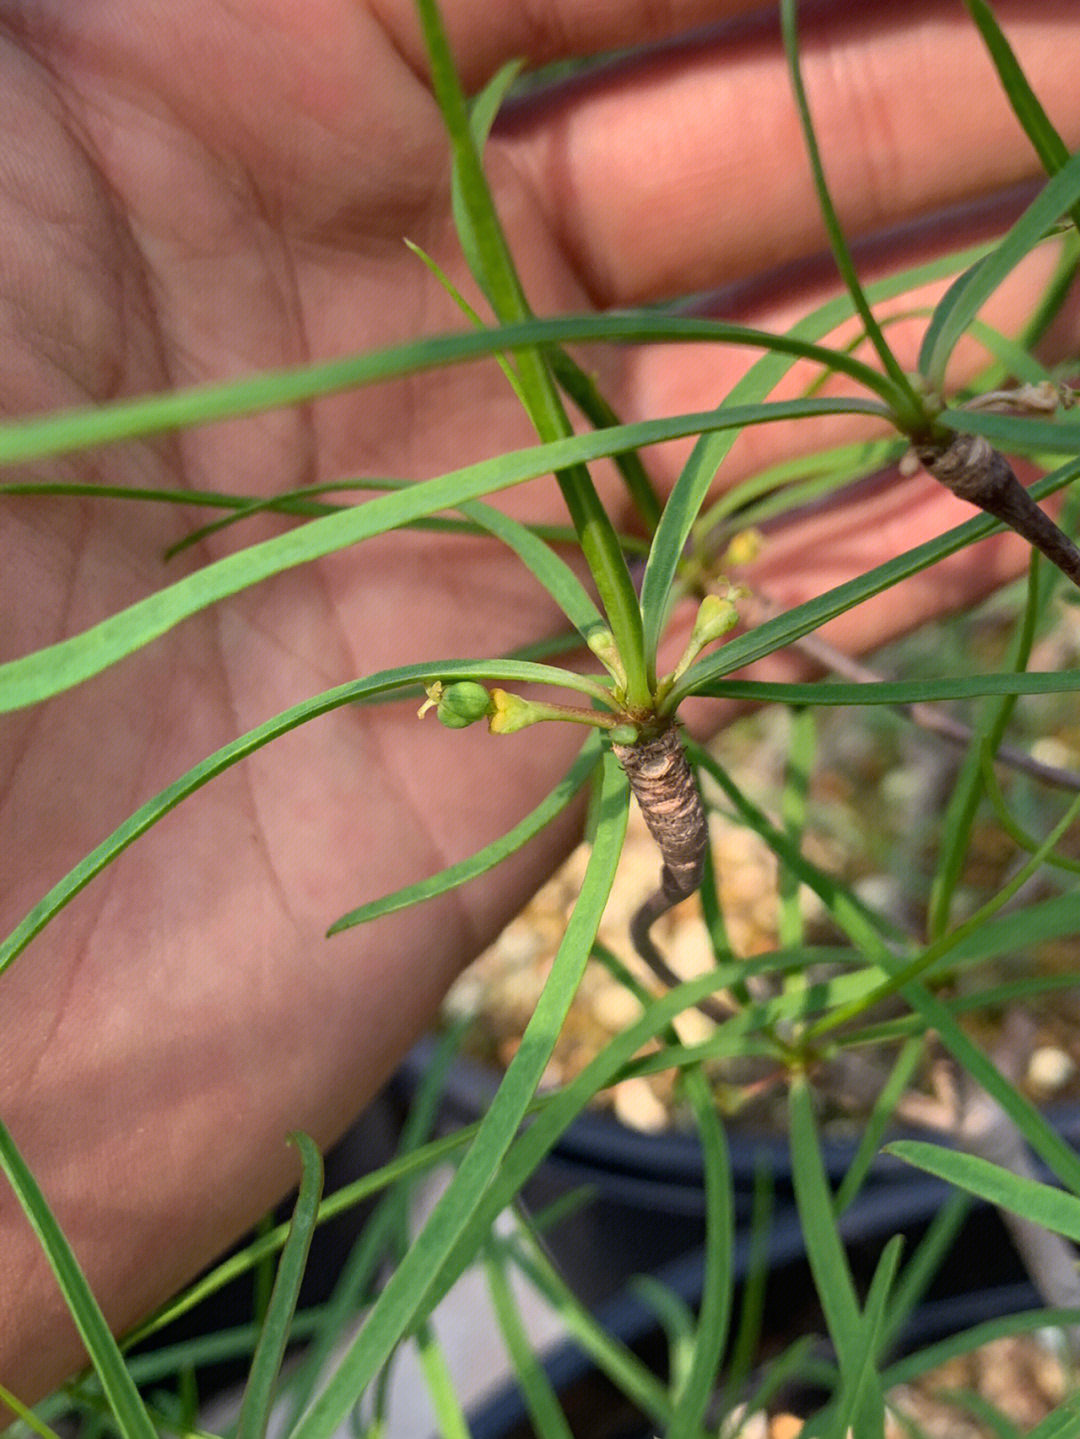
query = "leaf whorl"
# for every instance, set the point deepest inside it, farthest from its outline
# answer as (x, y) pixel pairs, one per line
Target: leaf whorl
(663, 784)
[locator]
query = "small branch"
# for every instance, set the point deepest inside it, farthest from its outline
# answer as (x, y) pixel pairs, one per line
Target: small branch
(973, 470)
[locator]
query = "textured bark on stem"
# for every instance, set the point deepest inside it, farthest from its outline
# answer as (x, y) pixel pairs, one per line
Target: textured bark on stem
(973, 470)
(663, 784)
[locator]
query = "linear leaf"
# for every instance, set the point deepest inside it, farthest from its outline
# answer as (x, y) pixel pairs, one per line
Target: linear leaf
(491, 855)
(536, 1388)
(966, 297)
(489, 255)
(861, 1405)
(774, 634)
(65, 431)
(167, 799)
(934, 1355)
(824, 1247)
(274, 1337)
(1015, 432)
(712, 1327)
(1054, 1209)
(908, 407)
(401, 1301)
(58, 667)
(1048, 144)
(118, 1386)
(890, 692)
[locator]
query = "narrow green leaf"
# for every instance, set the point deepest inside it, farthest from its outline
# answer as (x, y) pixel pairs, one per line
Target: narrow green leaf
(849, 461)
(125, 1405)
(747, 1339)
(802, 746)
(490, 256)
(565, 370)
(65, 431)
(962, 807)
(934, 952)
(712, 1328)
(824, 1247)
(550, 570)
(563, 1107)
(677, 1320)
(167, 799)
(1059, 1156)
(626, 1371)
(353, 1284)
(491, 855)
(935, 1355)
(1038, 435)
(58, 667)
(930, 1253)
(582, 389)
(1062, 1423)
(784, 629)
(909, 408)
(1005, 818)
(861, 1406)
(1048, 144)
(692, 486)
(896, 692)
(449, 1415)
(29, 1418)
(541, 1401)
(481, 116)
(1052, 1208)
(400, 1303)
(879, 1119)
(269, 1353)
(966, 297)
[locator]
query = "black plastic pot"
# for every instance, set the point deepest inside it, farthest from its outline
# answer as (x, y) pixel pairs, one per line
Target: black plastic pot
(981, 1279)
(646, 1201)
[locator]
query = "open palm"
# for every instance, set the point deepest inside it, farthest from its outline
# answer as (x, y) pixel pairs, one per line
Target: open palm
(195, 190)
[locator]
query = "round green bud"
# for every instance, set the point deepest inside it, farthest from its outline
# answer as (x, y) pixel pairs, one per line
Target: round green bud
(462, 704)
(624, 734)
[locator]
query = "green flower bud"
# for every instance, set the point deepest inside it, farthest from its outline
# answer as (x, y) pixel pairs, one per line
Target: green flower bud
(623, 734)
(743, 549)
(716, 615)
(462, 704)
(602, 643)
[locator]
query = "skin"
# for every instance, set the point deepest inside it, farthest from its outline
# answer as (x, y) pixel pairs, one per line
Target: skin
(191, 190)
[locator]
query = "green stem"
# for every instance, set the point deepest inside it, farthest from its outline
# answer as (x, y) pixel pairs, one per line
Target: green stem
(599, 542)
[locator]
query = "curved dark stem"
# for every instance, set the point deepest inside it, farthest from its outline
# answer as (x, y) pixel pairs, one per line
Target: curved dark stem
(654, 908)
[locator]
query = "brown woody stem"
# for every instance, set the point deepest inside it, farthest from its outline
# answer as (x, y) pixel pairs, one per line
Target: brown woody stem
(973, 470)
(664, 787)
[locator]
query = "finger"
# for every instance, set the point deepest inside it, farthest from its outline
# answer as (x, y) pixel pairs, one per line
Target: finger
(483, 37)
(687, 169)
(667, 379)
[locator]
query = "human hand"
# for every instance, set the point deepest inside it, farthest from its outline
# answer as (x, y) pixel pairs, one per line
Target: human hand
(197, 191)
